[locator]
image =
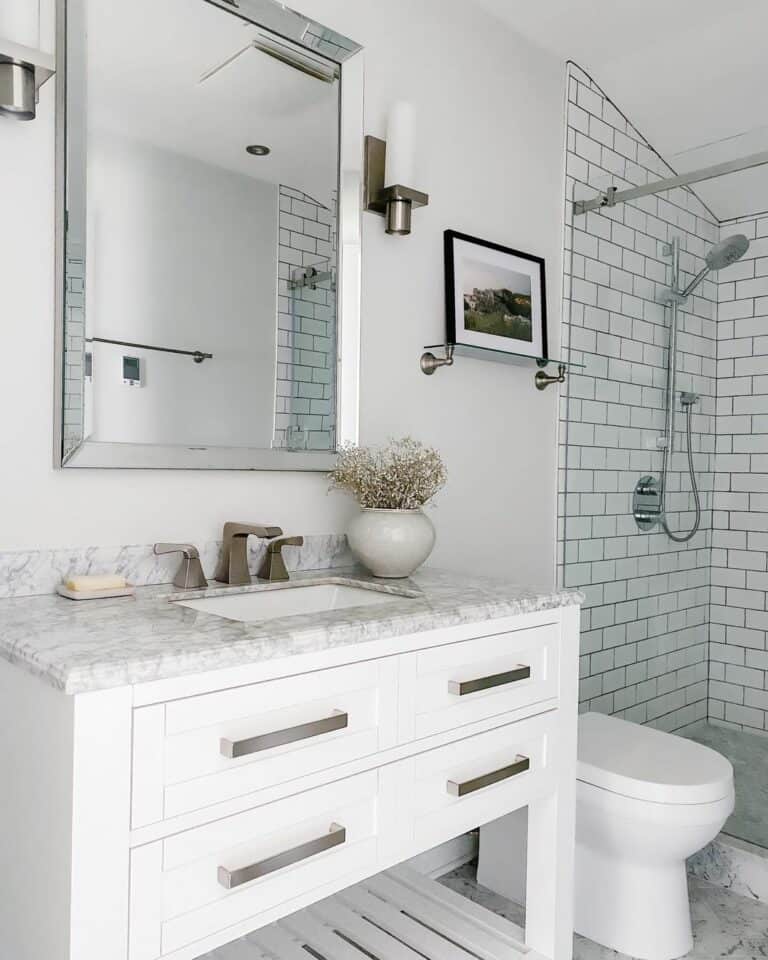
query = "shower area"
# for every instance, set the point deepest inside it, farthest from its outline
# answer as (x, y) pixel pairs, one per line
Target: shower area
(305, 401)
(663, 488)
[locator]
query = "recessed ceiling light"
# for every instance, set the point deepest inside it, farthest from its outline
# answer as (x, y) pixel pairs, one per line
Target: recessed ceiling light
(258, 150)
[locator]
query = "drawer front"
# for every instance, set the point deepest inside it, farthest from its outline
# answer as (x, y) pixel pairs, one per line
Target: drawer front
(464, 682)
(463, 785)
(219, 746)
(200, 882)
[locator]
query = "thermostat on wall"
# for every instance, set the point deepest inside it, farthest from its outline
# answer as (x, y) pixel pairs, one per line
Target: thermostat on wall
(132, 371)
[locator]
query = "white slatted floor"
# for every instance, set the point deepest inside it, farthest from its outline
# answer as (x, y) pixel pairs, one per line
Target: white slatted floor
(397, 915)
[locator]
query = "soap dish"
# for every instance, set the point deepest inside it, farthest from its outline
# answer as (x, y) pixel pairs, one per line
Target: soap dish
(127, 591)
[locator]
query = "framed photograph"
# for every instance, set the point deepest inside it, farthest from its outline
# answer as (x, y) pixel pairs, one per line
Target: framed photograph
(495, 297)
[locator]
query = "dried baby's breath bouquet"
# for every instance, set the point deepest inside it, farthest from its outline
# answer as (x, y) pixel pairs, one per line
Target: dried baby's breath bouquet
(403, 475)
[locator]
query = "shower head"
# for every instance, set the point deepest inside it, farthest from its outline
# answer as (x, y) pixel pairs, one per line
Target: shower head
(722, 255)
(728, 251)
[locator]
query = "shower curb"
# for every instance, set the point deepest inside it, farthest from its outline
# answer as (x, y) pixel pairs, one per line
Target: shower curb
(734, 864)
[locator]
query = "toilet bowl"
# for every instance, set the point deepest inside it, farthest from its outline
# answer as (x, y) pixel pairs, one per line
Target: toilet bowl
(645, 801)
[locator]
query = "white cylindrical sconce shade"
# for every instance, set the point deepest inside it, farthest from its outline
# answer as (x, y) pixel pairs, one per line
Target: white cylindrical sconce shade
(19, 33)
(20, 22)
(401, 145)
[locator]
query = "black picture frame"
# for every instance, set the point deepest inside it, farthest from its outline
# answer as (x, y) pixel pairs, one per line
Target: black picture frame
(456, 246)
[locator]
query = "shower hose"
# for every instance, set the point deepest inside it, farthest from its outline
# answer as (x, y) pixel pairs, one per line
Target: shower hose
(684, 537)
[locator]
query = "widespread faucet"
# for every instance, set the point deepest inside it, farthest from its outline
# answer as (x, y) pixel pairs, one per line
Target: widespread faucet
(233, 562)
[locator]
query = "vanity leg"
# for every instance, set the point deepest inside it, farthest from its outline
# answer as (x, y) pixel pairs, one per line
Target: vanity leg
(551, 821)
(101, 819)
(549, 897)
(65, 818)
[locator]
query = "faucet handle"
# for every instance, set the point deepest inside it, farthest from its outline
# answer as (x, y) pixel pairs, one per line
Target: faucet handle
(273, 566)
(190, 575)
(275, 546)
(189, 550)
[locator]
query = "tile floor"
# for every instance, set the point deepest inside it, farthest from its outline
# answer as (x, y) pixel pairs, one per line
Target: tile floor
(748, 752)
(724, 924)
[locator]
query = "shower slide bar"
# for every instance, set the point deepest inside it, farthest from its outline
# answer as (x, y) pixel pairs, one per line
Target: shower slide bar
(613, 195)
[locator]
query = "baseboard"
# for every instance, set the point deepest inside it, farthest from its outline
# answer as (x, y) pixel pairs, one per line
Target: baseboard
(735, 864)
(448, 856)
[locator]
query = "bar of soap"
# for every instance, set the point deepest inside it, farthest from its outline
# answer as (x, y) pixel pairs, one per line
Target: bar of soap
(95, 582)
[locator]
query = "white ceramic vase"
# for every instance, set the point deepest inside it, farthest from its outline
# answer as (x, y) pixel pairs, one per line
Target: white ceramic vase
(391, 543)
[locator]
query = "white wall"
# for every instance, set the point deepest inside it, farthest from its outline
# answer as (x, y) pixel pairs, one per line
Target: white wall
(491, 149)
(154, 276)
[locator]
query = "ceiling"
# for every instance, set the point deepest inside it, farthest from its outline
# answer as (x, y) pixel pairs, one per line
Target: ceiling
(146, 85)
(691, 75)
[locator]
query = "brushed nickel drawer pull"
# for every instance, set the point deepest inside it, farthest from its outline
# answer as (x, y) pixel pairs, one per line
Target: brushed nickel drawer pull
(278, 738)
(520, 765)
(229, 879)
(461, 689)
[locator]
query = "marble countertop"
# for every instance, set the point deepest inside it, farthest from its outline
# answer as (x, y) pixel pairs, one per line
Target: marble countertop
(79, 646)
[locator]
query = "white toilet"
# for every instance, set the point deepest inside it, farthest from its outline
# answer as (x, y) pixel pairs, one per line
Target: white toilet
(645, 802)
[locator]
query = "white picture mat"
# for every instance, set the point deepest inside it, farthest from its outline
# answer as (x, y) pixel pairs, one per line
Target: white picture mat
(498, 259)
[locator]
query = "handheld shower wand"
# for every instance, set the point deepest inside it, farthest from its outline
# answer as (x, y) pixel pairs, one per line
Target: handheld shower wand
(722, 255)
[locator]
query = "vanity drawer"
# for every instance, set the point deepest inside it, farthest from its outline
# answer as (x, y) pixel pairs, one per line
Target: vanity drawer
(192, 753)
(453, 789)
(200, 882)
(475, 679)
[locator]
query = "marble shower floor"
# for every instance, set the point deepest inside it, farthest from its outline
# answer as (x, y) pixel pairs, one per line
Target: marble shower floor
(724, 924)
(748, 752)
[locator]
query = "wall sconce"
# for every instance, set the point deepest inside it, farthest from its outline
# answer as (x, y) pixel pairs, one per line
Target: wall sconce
(389, 166)
(23, 67)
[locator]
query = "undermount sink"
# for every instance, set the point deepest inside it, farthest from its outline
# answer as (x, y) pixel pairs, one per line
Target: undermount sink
(267, 604)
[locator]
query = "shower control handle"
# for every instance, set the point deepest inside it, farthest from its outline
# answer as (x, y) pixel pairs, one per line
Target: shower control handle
(647, 507)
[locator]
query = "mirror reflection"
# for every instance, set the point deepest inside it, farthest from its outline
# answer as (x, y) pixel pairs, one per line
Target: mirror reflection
(201, 259)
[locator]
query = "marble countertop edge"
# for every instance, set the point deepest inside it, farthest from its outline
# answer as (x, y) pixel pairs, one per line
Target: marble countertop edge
(82, 646)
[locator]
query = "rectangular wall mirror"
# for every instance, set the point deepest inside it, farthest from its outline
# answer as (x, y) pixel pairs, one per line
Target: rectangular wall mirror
(210, 157)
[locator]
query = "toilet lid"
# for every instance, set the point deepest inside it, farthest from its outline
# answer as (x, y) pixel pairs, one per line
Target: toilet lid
(648, 764)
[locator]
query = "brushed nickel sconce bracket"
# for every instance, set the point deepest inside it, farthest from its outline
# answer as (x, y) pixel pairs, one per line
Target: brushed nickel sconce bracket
(396, 202)
(430, 363)
(544, 380)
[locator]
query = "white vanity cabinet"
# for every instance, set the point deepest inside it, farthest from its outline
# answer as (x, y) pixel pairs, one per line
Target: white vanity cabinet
(162, 820)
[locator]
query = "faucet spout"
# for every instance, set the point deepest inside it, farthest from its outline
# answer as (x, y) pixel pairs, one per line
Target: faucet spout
(233, 561)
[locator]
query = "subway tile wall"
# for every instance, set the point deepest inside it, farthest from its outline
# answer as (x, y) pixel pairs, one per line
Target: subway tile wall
(73, 412)
(305, 408)
(644, 647)
(739, 611)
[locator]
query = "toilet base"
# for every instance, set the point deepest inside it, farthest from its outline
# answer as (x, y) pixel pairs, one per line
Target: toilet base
(634, 908)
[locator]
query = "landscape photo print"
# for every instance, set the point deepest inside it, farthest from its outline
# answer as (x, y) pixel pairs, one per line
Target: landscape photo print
(497, 301)
(495, 297)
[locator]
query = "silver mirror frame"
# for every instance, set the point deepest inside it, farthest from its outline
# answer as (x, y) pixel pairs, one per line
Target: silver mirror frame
(348, 55)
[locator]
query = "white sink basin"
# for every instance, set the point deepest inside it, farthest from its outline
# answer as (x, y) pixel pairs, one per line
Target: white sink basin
(289, 601)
